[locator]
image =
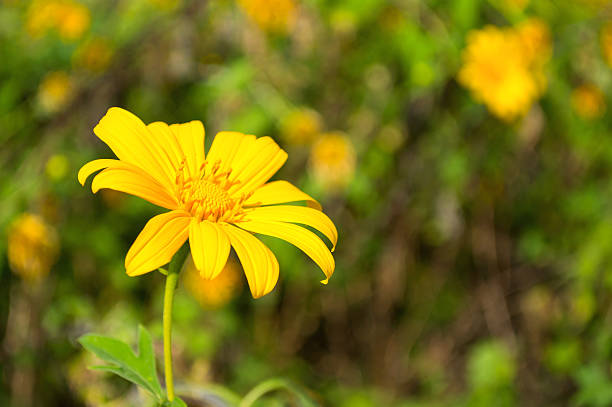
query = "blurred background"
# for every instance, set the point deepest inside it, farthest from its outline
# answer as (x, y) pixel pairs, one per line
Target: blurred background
(463, 149)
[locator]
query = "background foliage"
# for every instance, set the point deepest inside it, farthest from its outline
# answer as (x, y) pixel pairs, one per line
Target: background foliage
(473, 266)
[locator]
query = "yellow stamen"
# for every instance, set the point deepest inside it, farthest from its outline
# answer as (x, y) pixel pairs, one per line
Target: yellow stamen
(207, 195)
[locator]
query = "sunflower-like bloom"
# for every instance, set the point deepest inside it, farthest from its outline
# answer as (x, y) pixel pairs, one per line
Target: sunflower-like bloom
(215, 200)
(69, 18)
(212, 293)
(588, 101)
(276, 16)
(55, 91)
(606, 42)
(33, 246)
(301, 126)
(94, 55)
(504, 68)
(332, 160)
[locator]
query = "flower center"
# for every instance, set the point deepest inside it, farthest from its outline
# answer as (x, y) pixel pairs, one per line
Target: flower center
(211, 197)
(206, 195)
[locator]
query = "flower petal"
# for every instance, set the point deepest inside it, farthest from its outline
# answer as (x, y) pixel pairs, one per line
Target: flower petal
(132, 142)
(259, 263)
(128, 178)
(252, 160)
(210, 247)
(97, 165)
(255, 164)
(164, 137)
(302, 238)
(277, 192)
(224, 147)
(158, 241)
(296, 214)
(190, 137)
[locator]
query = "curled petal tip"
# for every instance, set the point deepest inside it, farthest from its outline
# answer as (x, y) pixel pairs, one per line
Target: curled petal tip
(82, 176)
(324, 282)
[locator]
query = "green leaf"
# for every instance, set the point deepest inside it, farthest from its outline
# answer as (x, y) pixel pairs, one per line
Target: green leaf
(138, 369)
(213, 394)
(177, 402)
(263, 388)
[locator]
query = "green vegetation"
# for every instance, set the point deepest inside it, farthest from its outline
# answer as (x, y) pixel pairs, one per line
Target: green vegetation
(474, 260)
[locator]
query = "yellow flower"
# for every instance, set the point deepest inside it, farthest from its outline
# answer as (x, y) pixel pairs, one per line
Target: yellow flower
(216, 200)
(57, 167)
(504, 68)
(40, 17)
(73, 20)
(55, 91)
(301, 126)
(68, 18)
(606, 42)
(535, 36)
(277, 16)
(32, 247)
(332, 160)
(216, 292)
(94, 55)
(588, 102)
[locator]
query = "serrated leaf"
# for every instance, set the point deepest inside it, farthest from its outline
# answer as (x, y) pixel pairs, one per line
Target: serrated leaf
(138, 369)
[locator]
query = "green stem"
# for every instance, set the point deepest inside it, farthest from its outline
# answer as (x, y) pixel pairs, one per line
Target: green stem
(171, 280)
(168, 297)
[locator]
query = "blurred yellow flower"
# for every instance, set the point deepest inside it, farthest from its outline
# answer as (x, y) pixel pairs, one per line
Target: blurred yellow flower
(216, 200)
(301, 126)
(70, 19)
(94, 55)
(32, 247)
(588, 101)
(606, 42)
(535, 36)
(55, 91)
(504, 67)
(333, 160)
(57, 167)
(275, 16)
(216, 292)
